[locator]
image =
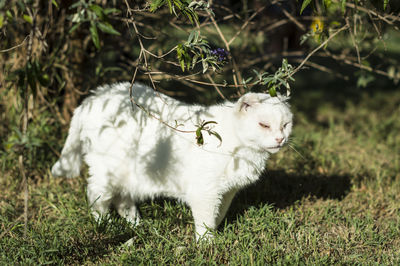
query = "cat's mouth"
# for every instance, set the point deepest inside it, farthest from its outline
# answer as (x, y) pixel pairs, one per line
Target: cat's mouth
(273, 149)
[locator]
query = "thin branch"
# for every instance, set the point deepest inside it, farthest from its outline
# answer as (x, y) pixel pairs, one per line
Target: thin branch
(323, 69)
(316, 49)
(215, 86)
(353, 40)
(235, 70)
(384, 17)
(293, 19)
(245, 24)
(16, 46)
(25, 121)
(26, 193)
(351, 63)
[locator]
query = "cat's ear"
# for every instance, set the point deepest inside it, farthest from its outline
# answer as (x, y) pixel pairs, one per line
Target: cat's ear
(247, 101)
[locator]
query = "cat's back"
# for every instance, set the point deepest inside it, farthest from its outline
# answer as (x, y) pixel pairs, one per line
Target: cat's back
(119, 93)
(115, 100)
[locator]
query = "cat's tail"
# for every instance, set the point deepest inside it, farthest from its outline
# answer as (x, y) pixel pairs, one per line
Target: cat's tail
(69, 163)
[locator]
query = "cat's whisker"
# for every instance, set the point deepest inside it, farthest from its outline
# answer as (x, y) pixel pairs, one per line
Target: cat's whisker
(290, 146)
(291, 141)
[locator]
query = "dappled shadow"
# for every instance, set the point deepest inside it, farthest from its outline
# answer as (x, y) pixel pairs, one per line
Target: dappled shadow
(127, 135)
(282, 189)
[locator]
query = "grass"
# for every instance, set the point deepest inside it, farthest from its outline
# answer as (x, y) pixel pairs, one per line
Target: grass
(337, 203)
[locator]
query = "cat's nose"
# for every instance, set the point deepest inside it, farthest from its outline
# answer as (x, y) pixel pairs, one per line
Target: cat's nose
(279, 140)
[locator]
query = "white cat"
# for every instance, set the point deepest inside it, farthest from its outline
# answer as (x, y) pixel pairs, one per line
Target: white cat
(132, 156)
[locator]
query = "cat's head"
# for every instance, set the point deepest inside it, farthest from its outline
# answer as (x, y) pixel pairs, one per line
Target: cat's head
(263, 122)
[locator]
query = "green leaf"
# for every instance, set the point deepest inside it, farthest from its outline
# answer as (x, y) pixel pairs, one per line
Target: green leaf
(343, 6)
(364, 79)
(200, 140)
(95, 35)
(27, 18)
(1, 20)
(191, 36)
(199, 136)
(170, 7)
(156, 4)
(272, 91)
(111, 10)
(385, 3)
(44, 80)
(194, 60)
(9, 15)
(198, 132)
(182, 63)
(304, 5)
(180, 54)
(98, 10)
(55, 3)
(247, 80)
(205, 66)
(77, 4)
(73, 28)
(209, 122)
(327, 3)
(196, 36)
(188, 60)
(107, 28)
(216, 135)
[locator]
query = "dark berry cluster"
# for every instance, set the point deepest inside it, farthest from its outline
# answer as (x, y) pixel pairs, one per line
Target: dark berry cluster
(220, 53)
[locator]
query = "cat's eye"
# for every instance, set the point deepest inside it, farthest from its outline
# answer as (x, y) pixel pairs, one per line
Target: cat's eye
(264, 125)
(285, 125)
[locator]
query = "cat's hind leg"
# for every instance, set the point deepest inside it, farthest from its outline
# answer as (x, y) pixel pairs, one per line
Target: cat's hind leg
(127, 209)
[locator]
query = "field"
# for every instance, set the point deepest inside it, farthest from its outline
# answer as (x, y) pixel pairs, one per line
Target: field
(335, 200)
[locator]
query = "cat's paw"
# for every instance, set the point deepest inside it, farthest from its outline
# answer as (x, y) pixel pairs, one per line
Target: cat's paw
(204, 237)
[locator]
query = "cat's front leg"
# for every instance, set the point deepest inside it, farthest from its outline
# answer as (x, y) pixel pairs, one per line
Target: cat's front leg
(224, 206)
(205, 210)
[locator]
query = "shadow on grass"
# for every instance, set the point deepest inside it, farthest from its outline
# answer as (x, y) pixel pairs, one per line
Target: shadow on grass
(281, 190)
(80, 251)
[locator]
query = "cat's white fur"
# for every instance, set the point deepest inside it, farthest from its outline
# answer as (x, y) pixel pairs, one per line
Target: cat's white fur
(133, 156)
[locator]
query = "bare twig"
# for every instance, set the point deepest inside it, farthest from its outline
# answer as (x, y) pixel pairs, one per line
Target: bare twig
(245, 24)
(33, 15)
(215, 86)
(142, 54)
(355, 64)
(389, 19)
(293, 19)
(16, 46)
(271, 56)
(324, 69)
(26, 193)
(318, 48)
(353, 40)
(235, 70)
(277, 24)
